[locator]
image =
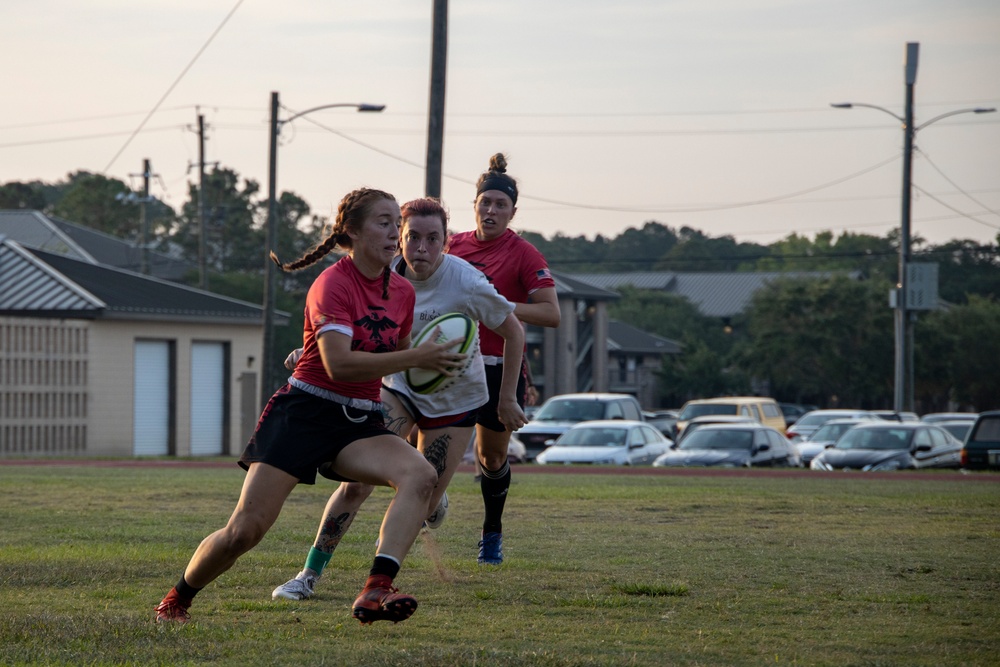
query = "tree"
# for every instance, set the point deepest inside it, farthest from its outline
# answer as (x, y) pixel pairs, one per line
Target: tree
(234, 223)
(640, 249)
(100, 203)
(696, 251)
(964, 268)
(827, 341)
(15, 195)
(870, 255)
(976, 330)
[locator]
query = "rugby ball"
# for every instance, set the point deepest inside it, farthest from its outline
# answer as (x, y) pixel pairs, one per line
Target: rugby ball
(449, 326)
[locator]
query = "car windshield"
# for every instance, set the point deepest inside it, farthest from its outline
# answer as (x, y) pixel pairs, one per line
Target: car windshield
(830, 432)
(593, 437)
(714, 438)
(702, 409)
(875, 438)
(569, 410)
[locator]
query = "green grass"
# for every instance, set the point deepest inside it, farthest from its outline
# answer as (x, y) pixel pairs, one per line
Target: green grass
(600, 570)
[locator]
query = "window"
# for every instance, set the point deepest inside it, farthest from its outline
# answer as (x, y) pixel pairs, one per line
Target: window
(614, 411)
(756, 413)
(771, 410)
(988, 430)
(922, 437)
(631, 411)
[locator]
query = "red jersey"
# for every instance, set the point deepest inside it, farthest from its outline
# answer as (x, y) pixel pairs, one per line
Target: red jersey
(344, 301)
(513, 265)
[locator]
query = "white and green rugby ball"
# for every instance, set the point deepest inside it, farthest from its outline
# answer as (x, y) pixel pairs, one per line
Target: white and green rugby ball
(449, 326)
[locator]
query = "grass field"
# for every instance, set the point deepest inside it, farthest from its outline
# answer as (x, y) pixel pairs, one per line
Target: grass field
(600, 570)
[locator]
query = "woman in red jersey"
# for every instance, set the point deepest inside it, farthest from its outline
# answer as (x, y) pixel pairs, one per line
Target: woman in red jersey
(358, 318)
(520, 273)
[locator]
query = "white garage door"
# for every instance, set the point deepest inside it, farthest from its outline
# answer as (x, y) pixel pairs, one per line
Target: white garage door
(151, 398)
(208, 395)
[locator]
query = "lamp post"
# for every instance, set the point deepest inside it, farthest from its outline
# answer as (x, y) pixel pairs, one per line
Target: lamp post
(270, 273)
(903, 325)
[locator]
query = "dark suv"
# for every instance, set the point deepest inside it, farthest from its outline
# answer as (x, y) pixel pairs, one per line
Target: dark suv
(982, 444)
(560, 412)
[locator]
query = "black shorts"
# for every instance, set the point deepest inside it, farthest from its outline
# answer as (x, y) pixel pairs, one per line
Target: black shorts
(297, 432)
(488, 413)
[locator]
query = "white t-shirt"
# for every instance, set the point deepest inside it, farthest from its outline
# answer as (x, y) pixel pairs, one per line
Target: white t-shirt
(455, 287)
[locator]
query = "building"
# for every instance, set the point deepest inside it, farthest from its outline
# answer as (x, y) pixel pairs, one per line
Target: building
(100, 361)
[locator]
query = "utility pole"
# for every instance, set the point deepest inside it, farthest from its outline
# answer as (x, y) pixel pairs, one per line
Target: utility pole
(270, 276)
(143, 219)
(202, 227)
(435, 123)
(904, 327)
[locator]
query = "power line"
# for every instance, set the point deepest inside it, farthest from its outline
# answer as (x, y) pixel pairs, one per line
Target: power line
(174, 84)
(954, 184)
(952, 208)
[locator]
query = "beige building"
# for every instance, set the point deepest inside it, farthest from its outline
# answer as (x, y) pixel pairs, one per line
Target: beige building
(99, 361)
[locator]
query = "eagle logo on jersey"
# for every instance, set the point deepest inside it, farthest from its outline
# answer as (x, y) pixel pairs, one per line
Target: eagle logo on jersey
(376, 323)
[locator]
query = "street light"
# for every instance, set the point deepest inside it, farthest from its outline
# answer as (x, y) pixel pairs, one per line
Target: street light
(270, 275)
(903, 325)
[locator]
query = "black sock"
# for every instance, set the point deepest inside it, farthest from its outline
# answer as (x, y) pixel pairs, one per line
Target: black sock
(494, 485)
(384, 565)
(184, 590)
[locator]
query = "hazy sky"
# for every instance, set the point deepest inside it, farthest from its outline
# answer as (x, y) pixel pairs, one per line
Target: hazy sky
(712, 114)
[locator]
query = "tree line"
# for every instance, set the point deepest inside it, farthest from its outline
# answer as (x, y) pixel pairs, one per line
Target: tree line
(826, 342)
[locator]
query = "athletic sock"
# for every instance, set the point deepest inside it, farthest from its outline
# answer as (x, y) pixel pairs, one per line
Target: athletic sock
(494, 485)
(185, 591)
(317, 561)
(384, 565)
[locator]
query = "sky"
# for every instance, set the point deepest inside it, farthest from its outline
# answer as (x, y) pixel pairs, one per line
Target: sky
(709, 114)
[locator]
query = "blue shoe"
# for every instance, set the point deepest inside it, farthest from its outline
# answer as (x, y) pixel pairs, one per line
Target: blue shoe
(490, 549)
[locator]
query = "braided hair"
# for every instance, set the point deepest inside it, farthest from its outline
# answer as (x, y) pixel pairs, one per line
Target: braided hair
(351, 214)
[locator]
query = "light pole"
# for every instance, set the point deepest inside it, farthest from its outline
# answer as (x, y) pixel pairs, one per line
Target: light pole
(903, 324)
(270, 270)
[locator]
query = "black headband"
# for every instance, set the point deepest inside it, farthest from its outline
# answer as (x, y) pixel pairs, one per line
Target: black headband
(500, 182)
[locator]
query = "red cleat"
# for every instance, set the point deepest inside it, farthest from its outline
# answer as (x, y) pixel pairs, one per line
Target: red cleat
(379, 601)
(173, 609)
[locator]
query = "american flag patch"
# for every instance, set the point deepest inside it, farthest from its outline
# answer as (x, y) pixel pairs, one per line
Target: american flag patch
(543, 273)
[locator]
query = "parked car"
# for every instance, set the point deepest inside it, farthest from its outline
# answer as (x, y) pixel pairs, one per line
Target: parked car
(560, 412)
(698, 422)
(982, 445)
(894, 416)
(732, 446)
(891, 446)
(664, 421)
(792, 411)
(825, 436)
(809, 422)
(607, 442)
(516, 452)
(764, 410)
(959, 427)
(935, 417)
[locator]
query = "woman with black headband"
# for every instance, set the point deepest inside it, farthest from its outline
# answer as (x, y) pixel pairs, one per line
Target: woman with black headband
(520, 273)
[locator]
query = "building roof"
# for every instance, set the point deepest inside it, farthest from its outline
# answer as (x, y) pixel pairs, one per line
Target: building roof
(30, 286)
(627, 339)
(714, 294)
(33, 229)
(42, 284)
(567, 285)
